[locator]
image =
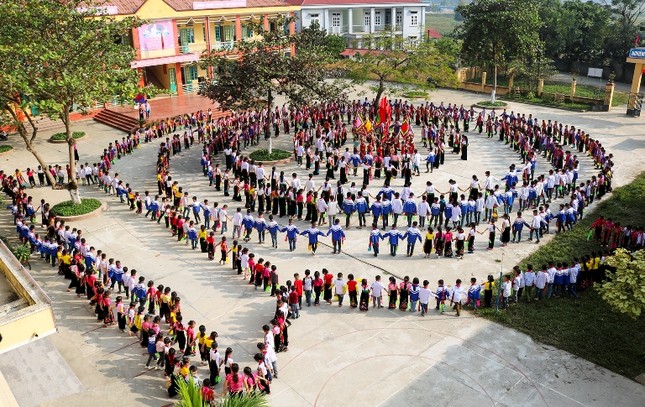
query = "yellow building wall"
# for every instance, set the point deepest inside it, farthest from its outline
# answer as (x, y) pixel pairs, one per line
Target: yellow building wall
(158, 9)
(26, 325)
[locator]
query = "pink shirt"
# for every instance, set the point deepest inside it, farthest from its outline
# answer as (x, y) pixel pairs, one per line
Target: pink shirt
(234, 387)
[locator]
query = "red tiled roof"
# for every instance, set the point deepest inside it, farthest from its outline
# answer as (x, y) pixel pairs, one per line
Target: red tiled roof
(184, 5)
(348, 2)
(124, 6)
(131, 6)
(432, 33)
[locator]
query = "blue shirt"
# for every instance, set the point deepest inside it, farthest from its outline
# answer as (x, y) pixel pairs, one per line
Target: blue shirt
(313, 234)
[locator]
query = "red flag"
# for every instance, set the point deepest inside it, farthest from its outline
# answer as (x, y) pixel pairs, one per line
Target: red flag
(405, 127)
(383, 109)
(637, 40)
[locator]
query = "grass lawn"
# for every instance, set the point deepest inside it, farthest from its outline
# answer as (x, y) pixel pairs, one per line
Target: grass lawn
(587, 328)
(444, 23)
(550, 103)
(4, 148)
(587, 91)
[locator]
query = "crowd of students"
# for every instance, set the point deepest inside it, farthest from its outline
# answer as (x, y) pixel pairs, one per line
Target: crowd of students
(449, 216)
(151, 312)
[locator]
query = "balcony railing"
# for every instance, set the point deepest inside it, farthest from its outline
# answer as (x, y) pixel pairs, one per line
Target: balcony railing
(192, 48)
(189, 88)
(223, 45)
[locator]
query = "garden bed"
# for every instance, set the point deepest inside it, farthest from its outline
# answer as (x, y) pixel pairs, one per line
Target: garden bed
(67, 210)
(62, 137)
(277, 156)
(5, 148)
(489, 105)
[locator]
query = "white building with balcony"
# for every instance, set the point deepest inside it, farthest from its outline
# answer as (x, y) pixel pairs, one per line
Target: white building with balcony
(357, 20)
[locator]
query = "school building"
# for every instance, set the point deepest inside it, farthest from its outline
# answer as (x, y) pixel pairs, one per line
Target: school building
(177, 32)
(360, 20)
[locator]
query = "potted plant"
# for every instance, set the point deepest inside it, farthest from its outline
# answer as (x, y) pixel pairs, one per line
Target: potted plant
(23, 253)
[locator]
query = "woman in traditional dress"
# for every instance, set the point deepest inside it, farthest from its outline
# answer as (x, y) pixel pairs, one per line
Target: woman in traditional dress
(404, 293)
(392, 292)
(365, 296)
(427, 244)
(464, 148)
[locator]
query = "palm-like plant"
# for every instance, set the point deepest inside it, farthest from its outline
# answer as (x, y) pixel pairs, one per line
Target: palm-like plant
(251, 400)
(189, 394)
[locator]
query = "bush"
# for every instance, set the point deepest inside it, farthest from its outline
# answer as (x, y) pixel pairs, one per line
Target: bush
(263, 155)
(62, 136)
(4, 148)
(67, 208)
(487, 103)
(415, 94)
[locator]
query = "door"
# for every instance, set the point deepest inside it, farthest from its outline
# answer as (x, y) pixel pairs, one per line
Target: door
(186, 37)
(172, 74)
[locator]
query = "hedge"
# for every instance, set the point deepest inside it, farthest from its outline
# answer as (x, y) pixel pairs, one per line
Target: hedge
(63, 136)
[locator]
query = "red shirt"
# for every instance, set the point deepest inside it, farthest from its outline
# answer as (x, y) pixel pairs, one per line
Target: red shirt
(293, 297)
(351, 285)
(328, 278)
(298, 285)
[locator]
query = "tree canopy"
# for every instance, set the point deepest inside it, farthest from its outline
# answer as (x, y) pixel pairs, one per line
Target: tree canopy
(391, 60)
(257, 69)
(58, 56)
(624, 288)
(318, 43)
(497, 32)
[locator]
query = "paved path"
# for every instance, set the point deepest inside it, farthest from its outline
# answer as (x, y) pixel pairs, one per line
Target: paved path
(336, 355)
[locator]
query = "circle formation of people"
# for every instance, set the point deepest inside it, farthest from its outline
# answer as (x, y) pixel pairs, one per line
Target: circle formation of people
(382, 150)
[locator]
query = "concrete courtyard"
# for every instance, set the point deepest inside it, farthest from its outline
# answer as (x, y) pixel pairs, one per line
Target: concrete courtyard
(336, 355)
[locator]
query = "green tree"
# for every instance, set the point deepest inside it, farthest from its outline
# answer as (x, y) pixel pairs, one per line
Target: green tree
(585, 31)
(550, 12)
(255, 71)
(624, 27)
(390, 61)
(318, 43)
(497, 32)
(58, 56)
(624, 288)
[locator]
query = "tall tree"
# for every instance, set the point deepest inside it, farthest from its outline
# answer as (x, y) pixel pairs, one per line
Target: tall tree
(59, 56)
(497, 32)
(318, 43)
(390, 61)
(585, 31)
(256, 70)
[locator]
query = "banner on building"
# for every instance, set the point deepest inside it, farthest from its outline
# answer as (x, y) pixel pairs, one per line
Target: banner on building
(156, 36)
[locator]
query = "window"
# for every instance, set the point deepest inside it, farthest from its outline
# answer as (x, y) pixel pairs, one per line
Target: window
(377, 18)
(367, 20)
(414, 19)
(315, 18)
(399, 18)
(186, 36)
(335, 19)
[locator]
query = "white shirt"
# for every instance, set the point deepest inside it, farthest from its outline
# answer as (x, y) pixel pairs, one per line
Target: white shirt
(377, 289)
(424, 295)
(237, 219)
(339, 285)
